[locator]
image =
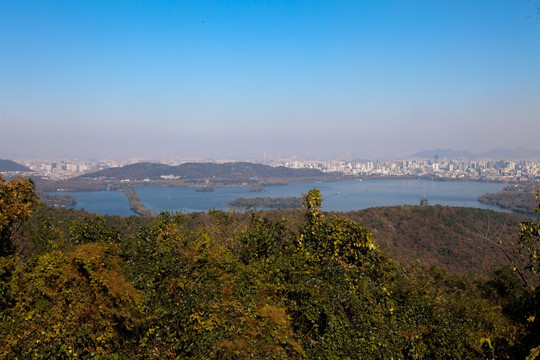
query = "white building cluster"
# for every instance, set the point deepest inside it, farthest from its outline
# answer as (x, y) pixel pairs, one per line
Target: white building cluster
(492, 170)
(524, 170)
(64, 169)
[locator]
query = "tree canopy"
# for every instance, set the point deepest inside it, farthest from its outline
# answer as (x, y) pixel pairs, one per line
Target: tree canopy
(228, 285)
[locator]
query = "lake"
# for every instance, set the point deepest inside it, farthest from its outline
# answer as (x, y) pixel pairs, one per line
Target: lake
(337, 196)
(103, 202)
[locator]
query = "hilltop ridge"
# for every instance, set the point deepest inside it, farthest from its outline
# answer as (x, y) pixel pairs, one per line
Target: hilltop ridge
(195, 171)
(187, 174)
(9, 165)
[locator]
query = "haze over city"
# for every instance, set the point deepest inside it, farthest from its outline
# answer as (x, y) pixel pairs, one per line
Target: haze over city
(220, 79)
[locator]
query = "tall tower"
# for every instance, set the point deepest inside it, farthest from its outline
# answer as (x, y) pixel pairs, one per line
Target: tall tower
(436, 163)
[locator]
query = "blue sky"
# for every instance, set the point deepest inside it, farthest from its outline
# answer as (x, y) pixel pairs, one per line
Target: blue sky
(235, 79)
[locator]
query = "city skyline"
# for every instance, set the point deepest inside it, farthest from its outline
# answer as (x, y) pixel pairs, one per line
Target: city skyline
(239, 80)
(438, 167)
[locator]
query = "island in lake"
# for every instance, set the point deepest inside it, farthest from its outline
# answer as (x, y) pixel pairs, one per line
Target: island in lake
(266, 203)
(257, 189)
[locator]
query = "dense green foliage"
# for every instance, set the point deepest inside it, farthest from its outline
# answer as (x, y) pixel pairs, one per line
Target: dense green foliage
(262, 285)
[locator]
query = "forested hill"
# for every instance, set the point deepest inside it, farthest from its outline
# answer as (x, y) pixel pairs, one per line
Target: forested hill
(197, 171)
(460, 240)
(518, 198)
(9, 165)
(259, 285)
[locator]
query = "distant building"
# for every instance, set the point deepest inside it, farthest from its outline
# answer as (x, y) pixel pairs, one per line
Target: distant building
(370, 166)
(424, 201)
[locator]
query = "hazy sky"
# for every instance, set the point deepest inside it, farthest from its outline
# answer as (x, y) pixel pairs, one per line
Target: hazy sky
(233, 79)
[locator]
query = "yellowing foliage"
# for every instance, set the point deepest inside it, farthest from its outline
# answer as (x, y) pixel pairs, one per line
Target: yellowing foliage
(243, 286)
(17, 198)
(70, 305)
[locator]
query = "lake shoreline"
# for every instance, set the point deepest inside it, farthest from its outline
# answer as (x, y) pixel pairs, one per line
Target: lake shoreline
(105, 185)
(341, 196)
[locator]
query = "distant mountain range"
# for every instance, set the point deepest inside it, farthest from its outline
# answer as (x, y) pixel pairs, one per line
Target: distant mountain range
(506, 154)
(197, 171)
(8, 165)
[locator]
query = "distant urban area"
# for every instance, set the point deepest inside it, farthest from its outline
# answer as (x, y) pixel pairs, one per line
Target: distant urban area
(463, 169)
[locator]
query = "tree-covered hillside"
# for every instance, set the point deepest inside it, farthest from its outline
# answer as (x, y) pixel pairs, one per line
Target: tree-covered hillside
(460, 240)
(188, 174)
(517, 198)
(262, 285)
(198, 171)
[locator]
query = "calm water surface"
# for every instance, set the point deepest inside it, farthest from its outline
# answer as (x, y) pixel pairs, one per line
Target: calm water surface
(103, 202)
(337, 196)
